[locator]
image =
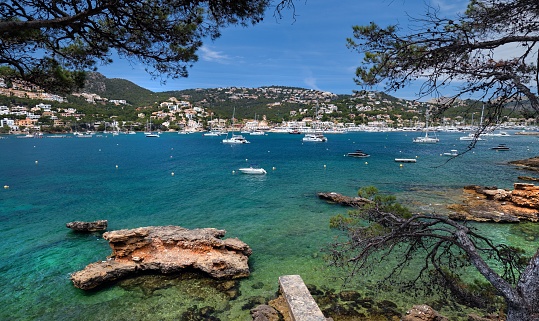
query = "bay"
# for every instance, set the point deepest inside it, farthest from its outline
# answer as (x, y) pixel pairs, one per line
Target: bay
(193, 181)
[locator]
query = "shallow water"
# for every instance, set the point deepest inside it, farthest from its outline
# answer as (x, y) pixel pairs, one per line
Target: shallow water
(192, 181)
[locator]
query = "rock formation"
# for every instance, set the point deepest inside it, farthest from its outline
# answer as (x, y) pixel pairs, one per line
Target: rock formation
(344, 200)
(96, 226)
(166, 249)
(498, 205)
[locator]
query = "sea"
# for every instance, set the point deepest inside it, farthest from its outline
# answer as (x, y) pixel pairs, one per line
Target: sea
(193, 181)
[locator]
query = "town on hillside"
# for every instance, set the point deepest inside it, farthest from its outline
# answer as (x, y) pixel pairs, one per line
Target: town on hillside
(29, 111)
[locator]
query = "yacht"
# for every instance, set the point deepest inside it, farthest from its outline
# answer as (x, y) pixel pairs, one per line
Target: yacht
(426, 140)
(152, 135)
(214, 132)
(358, 153)
(500, 147)
(314, 138)
(470, 137)
(253, 170)
(236, 139)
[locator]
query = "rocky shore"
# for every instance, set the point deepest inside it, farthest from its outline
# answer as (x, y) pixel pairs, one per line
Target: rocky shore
(166, 250)
(491, 204)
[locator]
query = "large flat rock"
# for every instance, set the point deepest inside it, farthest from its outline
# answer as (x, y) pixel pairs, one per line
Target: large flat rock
(166, 249)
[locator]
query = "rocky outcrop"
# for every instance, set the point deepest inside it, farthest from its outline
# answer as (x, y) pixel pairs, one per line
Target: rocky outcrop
(531, 164)
(333, 197)
(485, 204)
(166, 249)
(423, 313)
(96, 226)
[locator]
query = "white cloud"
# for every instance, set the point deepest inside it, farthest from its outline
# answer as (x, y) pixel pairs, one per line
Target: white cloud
(450, 7)
(208, 54)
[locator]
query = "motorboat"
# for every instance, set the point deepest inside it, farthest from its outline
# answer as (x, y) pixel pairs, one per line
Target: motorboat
(500, 147)
(154, 135)
(257, 133)
(452, 153)
(314, 138)
(470, 137)
(236, 139)
(214, 132)
(405, 160)
(253, 170)
(294, 132)
(358, 153)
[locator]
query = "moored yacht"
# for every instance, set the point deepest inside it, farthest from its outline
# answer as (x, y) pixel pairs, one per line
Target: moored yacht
(314, 138)
(236, 139)
(358, 153)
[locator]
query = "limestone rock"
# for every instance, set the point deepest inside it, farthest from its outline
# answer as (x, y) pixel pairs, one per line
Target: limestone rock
(344, 200)
(423, 313)
(78, 226)
(498, 205)
(166, 249)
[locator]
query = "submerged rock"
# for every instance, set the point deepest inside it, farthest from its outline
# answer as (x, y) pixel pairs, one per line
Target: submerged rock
(166, 249)
(344, 200)
(96, 226)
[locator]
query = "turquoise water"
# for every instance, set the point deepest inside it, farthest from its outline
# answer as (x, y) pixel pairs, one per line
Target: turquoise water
(189, 180)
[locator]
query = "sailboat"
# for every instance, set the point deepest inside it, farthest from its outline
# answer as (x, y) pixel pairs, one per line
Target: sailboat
(235, 139)
(426, 139)
(149, 132)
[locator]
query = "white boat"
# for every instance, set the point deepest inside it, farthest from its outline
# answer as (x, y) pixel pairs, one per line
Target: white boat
(314, 138)
(452, 152)
(426, 139)
(253, 170)
(405, 160)
(257, 133)
(214, 132)
(149, 132)
(236, 139)
(470, 137)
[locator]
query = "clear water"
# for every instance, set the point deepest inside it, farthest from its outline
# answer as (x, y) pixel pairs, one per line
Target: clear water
(192, 181)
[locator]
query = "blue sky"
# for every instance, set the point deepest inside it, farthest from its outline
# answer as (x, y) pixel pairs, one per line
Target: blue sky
(309, 52)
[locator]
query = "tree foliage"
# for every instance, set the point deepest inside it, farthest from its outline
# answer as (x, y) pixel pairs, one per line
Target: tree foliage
(490, 52)
(443, 248)
(51, 43)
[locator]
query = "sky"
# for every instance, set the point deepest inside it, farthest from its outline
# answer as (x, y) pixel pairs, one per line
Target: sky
(308, 51)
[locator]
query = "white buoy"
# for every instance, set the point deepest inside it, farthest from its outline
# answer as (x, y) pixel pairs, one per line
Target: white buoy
(324, 165)
(400, 165)
(36, 162)
(172, 173)
(6, 186)
(233, 172)
(273, 168)
(366, 163)
(116, 166)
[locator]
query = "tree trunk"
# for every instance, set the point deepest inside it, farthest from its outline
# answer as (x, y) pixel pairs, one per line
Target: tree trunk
(515, 313)
(528, 289)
